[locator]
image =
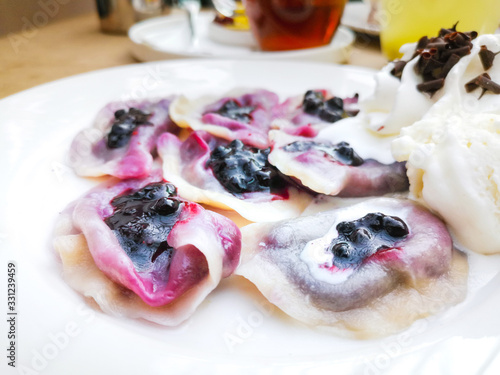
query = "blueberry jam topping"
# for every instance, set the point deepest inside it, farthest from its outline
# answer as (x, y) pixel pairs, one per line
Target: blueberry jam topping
(359, 239)
(330, 110)
(341, 152)
(142, 220)
(124, 125)
(242, 169)
(233, 110)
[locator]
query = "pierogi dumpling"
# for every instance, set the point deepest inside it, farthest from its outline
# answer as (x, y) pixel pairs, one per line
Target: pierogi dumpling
(241, 114)
(140, 251)
(327, 164)
(230, 175)
(122, 139)
(305, 115)
(366, 270)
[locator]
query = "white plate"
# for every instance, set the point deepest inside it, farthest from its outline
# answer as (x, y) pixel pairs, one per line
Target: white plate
(355, 17)
(234, 330)
(168, 37)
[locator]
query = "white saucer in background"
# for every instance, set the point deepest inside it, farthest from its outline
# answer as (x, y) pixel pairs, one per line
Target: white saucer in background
(168, 37)
(223, 35)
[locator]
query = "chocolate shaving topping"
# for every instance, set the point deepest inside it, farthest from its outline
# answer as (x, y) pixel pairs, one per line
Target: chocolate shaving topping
(459, 51)
(483, 81)
(397, 71)
(443, 31)
(422, 42)
(431, 86)
(471, 34)
(486, 56)
(436, 57)
(448, 65)
(440, 45)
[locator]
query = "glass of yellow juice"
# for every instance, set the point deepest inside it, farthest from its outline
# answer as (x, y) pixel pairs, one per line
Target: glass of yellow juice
(406, 21)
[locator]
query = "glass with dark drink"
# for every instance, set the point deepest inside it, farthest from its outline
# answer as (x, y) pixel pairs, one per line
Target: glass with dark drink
(280, 25)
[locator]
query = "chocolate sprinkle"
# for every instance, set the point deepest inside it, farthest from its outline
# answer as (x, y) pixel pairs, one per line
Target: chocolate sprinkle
(399, 65)
(449, 64)
(444, 31)
(437, 56)
(486, 56)
(431, 86)
(483, 81)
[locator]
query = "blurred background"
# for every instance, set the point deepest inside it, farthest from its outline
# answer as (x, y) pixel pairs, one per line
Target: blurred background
(14, 12)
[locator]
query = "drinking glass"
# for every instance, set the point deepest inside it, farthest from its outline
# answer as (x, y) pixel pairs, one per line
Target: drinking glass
(280, 25)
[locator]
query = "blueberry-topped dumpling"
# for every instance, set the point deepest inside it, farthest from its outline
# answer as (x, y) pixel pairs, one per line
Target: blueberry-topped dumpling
(123, 139)
(308, 113)
(230, 175)
(139, 250)
(365, 270)
(241, 114)
(328, 164)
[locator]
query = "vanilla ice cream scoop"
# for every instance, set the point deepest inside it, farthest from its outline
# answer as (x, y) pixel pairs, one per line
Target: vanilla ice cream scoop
(454, 169)
(400, 102)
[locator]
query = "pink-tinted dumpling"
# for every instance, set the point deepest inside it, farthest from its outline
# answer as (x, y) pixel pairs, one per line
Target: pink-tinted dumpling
(241, 114)
(366, 270)
(141, 251)
(305, 115)
(334, 168)
(122, 139)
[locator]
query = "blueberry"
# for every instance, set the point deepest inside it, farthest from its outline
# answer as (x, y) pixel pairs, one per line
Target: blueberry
(361, 238)
(117, 140)
(330, 115)
(395, 227)
(346, 227)
(341, 152)
(233, 110)
(346, 154)
(242, 169)
(120, 113)
(142, 221)
(341, 250)
(335, 104)
(165, 206)
(124, 125)
(330, 110)
(313, 102)
(375, 221)
(121, 128)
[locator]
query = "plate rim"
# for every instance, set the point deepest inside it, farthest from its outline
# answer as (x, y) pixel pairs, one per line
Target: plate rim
(182, 61)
